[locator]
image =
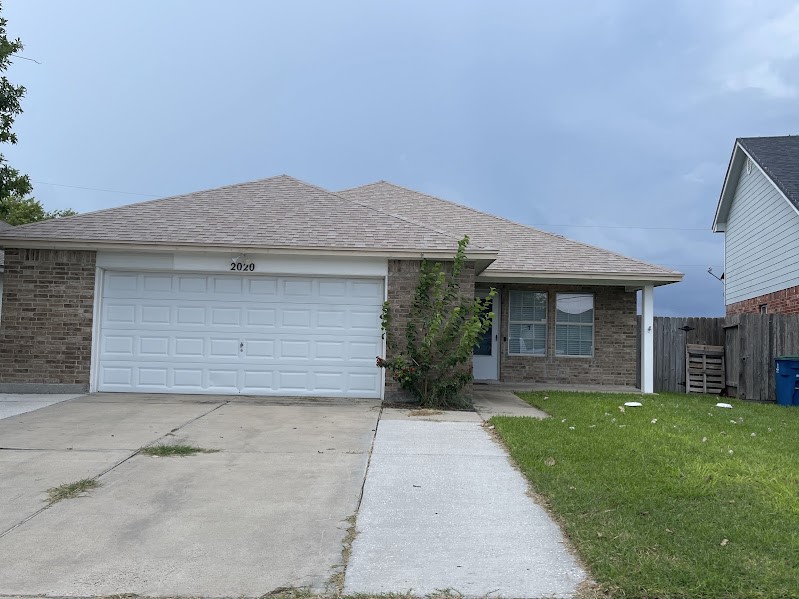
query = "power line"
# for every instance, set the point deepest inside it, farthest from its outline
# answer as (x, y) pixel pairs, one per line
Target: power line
(130, 193)
(25, 58)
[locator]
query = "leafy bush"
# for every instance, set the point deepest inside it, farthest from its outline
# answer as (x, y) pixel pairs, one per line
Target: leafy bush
(433, 361)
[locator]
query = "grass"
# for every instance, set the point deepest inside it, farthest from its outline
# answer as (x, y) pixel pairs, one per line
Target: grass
(674, 499)
(71, 490)
(165, 451)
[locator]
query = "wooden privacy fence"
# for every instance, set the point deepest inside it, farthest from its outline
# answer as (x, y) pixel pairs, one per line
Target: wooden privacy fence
(751, 342)
(671, 336)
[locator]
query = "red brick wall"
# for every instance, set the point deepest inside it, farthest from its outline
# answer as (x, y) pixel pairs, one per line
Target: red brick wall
(615, 330)
(46, 325)
(785, 301)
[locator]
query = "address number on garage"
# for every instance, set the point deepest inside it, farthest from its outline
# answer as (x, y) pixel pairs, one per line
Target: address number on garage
(241, 266)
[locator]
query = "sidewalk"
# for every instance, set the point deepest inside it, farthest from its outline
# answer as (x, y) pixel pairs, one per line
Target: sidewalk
(443, 508)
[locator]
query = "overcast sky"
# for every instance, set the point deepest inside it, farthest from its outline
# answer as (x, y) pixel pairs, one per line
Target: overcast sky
(610, 122)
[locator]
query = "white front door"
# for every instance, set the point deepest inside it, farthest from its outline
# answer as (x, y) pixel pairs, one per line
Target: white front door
(486, 352)
(248, 334)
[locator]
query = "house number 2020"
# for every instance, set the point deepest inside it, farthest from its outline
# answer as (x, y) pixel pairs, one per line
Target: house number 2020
(241, 266)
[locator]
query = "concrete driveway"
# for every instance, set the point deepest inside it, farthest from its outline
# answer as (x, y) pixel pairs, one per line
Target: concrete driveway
(269, 510)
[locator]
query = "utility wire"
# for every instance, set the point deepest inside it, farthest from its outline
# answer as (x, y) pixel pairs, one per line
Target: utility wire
(25, 58)
(130, 193)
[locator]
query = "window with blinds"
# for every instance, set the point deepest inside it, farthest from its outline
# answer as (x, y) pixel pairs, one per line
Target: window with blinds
(574, 324)
(527, 323)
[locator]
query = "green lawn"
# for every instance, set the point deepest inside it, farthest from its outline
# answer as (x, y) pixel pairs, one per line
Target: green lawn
(677, 498)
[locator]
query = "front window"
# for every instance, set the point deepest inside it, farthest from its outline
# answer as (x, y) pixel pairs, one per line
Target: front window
(574, 324)
(527, 324)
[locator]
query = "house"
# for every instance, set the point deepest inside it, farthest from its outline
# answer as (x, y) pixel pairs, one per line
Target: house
(275, 287)
(758, 212)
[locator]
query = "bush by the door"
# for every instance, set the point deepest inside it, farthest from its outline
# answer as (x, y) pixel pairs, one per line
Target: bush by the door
(433, 360)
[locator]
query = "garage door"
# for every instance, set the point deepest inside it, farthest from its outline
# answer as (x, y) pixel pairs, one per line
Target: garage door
(258, 335)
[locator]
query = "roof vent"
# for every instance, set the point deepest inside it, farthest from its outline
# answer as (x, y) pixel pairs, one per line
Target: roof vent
(748, 166)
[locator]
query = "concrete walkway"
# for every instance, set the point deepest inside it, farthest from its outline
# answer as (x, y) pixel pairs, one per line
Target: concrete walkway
(443, 508)
(499, 402)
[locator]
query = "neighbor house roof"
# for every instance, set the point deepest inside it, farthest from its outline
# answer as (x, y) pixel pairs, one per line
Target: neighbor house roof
(523, 250)
(277, 213)
(777, 157)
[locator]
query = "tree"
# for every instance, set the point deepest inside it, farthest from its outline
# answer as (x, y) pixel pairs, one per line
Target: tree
(15, 207)
(444, 325)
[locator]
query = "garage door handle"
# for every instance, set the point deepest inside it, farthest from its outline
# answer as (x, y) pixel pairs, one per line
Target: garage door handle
(241, 346)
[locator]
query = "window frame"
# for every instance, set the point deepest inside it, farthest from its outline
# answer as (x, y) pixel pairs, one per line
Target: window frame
(545, 322)
(576, 324)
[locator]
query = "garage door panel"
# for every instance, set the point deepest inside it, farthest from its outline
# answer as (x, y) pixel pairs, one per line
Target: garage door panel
(240, 334)
(262, 287)
(120, 346)
(114, 313)
(155, 347)
(191, 315)
(153, 377)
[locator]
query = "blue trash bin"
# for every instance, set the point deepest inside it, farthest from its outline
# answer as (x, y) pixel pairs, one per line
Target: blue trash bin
(787, 380)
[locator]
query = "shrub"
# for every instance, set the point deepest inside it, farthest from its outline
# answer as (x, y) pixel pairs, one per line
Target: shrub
(433, 361)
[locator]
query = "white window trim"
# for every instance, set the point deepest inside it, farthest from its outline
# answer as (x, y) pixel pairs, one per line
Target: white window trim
(579, 324)
(545, 322)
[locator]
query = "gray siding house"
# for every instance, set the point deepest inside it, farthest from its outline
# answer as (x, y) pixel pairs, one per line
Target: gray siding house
(758, 212)
(275, 287)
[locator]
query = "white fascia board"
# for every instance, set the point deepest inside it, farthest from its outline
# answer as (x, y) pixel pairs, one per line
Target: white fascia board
(636, 281)
(220, 263)
(733, 168)
(404, 253)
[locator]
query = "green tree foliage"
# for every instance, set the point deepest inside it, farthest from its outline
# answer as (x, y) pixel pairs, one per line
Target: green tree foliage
(16, 207)
(433, 361)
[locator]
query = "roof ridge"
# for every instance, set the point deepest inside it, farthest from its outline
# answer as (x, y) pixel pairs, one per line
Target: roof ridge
(507, 220)
(400, 216)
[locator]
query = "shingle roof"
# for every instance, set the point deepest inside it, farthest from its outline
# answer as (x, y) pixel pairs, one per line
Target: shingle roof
(521, 248)
(282, 212)
(779, 158)
(279, 212)
(4, 226)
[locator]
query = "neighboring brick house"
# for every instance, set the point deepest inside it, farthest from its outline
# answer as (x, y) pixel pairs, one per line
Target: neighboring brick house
(758, 212)
(275, 287)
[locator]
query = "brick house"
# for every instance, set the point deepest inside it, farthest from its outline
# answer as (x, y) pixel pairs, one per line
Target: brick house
(758, 212)
(275, 287)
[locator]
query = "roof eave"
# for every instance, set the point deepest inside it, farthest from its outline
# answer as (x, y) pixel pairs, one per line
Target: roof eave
(582, 278)
(483, 257)
(727, 190)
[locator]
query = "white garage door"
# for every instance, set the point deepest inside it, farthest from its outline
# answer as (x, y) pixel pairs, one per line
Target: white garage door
(259, 335)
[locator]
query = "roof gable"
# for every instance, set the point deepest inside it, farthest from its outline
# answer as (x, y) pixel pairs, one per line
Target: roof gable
(522, 249)
(776, 157)
(279, 212)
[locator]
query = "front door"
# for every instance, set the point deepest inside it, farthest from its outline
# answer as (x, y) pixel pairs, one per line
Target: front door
(486, 352)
